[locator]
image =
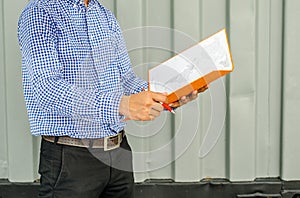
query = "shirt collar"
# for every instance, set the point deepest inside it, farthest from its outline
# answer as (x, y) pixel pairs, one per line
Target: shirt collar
(78, 2)
(74, 1)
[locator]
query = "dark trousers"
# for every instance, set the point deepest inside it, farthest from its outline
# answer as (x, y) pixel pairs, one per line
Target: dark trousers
(68, 171)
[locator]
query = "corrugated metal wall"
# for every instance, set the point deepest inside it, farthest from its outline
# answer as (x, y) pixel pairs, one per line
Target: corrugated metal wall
(259, 136)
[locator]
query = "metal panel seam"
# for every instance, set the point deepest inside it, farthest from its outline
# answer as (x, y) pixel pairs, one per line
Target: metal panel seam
(201, 31)
(4, 78)
(173, 129)
(227, 130)
(269, 88)
(256, 7)
(282, 86)
(115, 8)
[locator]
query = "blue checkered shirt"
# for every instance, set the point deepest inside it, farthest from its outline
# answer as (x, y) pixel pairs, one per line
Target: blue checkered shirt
(75, 68)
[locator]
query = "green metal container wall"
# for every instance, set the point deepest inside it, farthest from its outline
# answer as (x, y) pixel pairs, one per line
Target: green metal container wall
(256, 108)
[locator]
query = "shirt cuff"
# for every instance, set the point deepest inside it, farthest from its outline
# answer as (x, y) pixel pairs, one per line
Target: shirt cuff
(108, 107)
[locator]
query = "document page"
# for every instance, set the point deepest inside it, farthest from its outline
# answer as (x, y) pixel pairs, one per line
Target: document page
(198, 61)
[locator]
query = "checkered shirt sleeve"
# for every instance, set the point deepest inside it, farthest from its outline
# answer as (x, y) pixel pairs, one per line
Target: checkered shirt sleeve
(75, 69)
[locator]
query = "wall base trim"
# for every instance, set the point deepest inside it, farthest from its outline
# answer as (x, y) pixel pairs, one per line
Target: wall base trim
(209, 188)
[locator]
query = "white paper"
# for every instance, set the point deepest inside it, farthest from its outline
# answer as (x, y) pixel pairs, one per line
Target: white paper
(207, 56)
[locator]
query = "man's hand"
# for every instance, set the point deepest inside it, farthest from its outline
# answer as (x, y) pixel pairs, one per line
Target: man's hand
(186, 99)
(142, 106)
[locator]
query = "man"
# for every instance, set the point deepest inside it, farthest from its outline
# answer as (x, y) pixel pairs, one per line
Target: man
(80, 90)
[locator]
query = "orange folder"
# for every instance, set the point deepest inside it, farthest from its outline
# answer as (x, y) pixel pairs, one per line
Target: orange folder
(193, 68)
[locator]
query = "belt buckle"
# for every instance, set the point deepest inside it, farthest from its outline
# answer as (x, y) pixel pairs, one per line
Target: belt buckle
(112, 142)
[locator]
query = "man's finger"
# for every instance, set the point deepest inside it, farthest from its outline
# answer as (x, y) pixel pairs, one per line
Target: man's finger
(158, 107)
(154, 113)
(194, 95)
(159, 97)
(151, 117)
